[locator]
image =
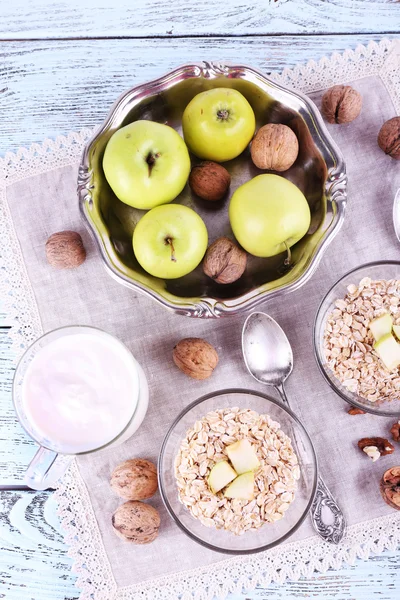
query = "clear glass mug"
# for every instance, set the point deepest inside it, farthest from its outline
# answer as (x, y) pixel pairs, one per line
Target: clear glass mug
(49, 464)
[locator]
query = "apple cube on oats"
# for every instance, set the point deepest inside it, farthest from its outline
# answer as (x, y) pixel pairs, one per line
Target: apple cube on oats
(242, 456)
(388, 351)
(381, 326)
(242, 487)
(221, 474)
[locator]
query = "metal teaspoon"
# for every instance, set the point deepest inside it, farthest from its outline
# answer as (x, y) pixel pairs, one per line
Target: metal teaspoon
(269, 359)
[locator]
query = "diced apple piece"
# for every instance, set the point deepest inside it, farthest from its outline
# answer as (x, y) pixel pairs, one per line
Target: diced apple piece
(388, 351)
(242, 456)
(242, 488)
(396, 330)
(221, 474)
(381, 326)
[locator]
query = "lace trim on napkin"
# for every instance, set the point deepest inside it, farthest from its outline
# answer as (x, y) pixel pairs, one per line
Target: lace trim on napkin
(292, 560)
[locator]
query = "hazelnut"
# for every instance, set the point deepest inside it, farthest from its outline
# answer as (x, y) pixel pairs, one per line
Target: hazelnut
(224, 261)
(209, 180)
(390, 487)
(389, 137)
(195, 357)
(65, 250)
(134, 479)
(341, 104)
(395, 431)
(356, 411)
(375, 447)
(275, 147)
(136, 522)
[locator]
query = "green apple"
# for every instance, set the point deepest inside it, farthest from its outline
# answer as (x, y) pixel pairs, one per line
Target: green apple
(381, 326)
(388, 351)
(220, 475)
(268, 214)
(146, 164)
(218, 124)
(242, 487)
(243, 456)
(170, 241)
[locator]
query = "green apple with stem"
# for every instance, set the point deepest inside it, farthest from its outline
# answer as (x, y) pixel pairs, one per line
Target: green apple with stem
(218, 124)
(170, 241)
(146, 164)
(268, 215)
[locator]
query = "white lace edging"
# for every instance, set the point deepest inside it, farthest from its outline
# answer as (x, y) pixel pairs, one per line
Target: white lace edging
(293, 560)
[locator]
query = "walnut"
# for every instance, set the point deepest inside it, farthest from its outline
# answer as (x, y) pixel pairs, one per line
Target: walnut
(209, 180)
(224, 261)
(195, 357)
(395, 431)
(65, 250)
(390, 487)
(375, 447)
(389, 137)
(275, 147)
(136, 522)
(341, 104)
(135, 479)
(356, 411)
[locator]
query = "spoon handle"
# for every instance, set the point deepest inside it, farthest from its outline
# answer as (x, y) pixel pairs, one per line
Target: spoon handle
(326, 516)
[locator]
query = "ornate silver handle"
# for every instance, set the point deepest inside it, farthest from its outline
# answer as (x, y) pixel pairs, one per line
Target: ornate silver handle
(327, 518)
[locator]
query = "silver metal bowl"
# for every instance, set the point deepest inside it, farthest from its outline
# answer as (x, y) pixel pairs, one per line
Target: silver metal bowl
(319, 172)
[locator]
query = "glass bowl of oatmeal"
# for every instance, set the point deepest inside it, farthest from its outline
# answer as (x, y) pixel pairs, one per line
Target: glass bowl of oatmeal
(343, 341)
(284, 482)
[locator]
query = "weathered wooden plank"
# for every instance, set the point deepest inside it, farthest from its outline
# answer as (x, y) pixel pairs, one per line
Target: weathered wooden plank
(53, 87)
(34, 564)
(96, 18)
(33, 558)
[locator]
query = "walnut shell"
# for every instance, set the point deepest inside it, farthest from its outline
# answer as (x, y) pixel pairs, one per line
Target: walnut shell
(224, 261)
(195, 357)
(389, 137)
(341, 104)
(209, 180)
(136, 522)
(390, 487)
(135, 479)
(65, 250)
(395, 431)
(275, 147)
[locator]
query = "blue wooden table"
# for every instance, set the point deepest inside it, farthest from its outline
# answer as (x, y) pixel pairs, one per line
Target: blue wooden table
(62, 64)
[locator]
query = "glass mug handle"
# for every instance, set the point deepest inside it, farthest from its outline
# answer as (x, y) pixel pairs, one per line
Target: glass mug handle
(45, 469)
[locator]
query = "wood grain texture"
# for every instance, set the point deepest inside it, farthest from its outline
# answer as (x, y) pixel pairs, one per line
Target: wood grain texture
(52, 87)
(144, 18)
(34, 564)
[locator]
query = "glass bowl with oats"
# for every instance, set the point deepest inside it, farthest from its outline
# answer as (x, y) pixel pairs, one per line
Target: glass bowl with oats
(357, 337)
(237, 471)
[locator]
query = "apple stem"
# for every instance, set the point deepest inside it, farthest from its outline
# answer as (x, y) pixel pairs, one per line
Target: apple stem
(151, 159)
(288, 259)
(169, 242)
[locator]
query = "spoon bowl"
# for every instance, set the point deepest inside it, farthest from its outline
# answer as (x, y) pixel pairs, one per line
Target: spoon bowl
(266, 350)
